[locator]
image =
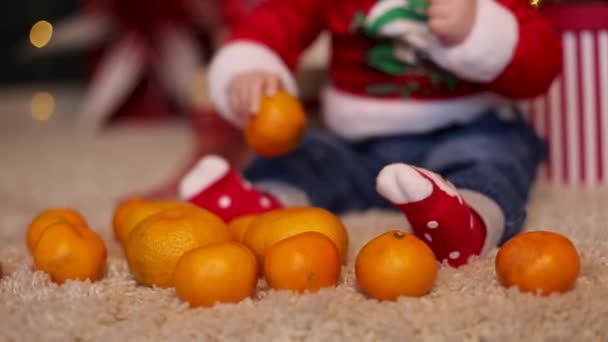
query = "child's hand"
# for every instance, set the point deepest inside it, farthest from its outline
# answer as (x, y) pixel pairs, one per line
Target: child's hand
(246, 90)
(452, 20)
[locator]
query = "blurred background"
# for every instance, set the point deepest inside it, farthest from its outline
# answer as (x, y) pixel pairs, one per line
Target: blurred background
(18, 18)
(95, 62)
(41, 84)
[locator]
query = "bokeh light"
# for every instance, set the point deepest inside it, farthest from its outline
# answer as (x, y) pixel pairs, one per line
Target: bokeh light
(42, 106)
(41, 33)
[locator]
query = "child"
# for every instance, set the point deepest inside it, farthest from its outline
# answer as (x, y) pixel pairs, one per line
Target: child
(419, 114)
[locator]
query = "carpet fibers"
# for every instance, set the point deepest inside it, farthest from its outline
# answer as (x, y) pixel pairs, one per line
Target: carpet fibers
(51, 166)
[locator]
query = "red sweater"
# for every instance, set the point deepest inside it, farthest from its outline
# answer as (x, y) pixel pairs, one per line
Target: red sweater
(388, 73)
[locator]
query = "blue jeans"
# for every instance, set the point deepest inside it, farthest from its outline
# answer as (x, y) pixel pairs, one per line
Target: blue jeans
(495, 157)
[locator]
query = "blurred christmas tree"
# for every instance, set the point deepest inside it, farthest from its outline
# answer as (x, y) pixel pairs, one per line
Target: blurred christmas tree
(143, 57)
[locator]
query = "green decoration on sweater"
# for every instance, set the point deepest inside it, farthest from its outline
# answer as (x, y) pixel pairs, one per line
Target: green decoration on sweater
(382, 57)
(393, 23)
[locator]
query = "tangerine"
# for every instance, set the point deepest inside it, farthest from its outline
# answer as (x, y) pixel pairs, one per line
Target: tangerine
(277, 127)
(305, 262)
(396, 264)
(156, 244)
(538, 261)
(49, 217)
(221, 273)
(67, 251)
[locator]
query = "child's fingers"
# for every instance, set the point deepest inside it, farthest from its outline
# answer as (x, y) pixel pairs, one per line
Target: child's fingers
(254, 94)
(271, 86)
(440, 10)
(245, 93)
(234, 99)
(244, 100)
(439, 26)
(238, 99)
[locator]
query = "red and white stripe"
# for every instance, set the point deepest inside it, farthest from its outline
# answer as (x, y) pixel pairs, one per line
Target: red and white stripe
(573, 115)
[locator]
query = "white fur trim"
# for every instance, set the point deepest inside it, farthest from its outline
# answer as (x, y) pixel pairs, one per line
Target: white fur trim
(238, 57)
(355, 117)
(401, 183)
(491, 215)
(488, 49)
(207, 171)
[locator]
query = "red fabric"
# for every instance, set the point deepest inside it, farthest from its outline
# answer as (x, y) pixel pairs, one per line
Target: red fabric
(288, 26)
(230, 198)
(579, 16)
(447, 225)
(538, 55)
(233, 11)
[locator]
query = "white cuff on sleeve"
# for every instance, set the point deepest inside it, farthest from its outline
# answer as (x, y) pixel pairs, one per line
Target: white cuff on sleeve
(488, 49)
(238, 57)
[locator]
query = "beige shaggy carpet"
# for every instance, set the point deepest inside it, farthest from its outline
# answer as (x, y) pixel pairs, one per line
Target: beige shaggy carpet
(45, 165)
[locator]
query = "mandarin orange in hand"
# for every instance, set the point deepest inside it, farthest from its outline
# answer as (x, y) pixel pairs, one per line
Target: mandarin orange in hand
(51, 216)
(238, 227)
(305, 262)
(130, 213)
(277, 127)
(220, 273)
(396, 264)
(273, 226)
(538, 261)
(67, 251)
(157, 243)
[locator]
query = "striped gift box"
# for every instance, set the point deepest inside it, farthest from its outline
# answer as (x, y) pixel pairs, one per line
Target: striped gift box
(573, 115)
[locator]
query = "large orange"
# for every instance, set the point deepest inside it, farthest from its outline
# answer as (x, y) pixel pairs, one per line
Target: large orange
(538, 261)
(157, 243)
(122, 211)
(274, 226)
(130, 213)
(67, 251)
(305, 262)
(238, 227)
(51, 216)
(220, 273)
(277, 127)
(396, 264)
